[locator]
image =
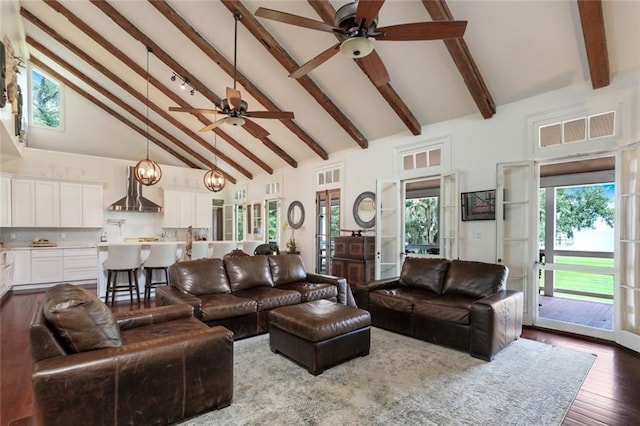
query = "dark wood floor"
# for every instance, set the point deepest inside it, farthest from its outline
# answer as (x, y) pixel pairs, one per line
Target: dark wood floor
(583, 312)
(610, 394)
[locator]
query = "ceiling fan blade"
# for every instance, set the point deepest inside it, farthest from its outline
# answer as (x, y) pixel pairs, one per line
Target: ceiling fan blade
(300, 21)
(439, 30)
(375, 68)
(234, 98)
(195, 110)
(315, 62)
(256, 130)
(213, 125)
(281, 115)
(368, 10)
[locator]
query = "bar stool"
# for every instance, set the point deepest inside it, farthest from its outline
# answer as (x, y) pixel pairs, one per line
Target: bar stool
(122, 258)
(160, 257)
(220, 248)
(199, 249)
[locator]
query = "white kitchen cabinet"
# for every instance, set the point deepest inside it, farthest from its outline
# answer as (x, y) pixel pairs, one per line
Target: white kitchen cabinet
(5, 201)
(81, 205)
(186, 208)
(6, 271)
(35, 203)
(92, 206)
(203, 210)
(23, 202)
(70, 205)
(80, 264)
(21, 267)
(46, 266)
(47, 204)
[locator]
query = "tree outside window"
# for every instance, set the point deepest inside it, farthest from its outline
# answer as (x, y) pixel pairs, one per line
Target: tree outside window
(45, 100)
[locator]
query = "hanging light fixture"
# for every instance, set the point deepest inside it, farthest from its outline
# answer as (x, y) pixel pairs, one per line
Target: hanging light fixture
(147, 171)
(214, 180)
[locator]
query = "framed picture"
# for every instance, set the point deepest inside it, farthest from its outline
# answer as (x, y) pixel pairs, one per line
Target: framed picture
(479, 205)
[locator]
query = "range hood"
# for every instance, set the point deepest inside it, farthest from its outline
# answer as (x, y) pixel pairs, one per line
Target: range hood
(134, 201)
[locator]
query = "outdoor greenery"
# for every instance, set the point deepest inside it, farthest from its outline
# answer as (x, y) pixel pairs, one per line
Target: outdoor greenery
(577, 208)
(45, 101)
(421, 221)
(583, 281)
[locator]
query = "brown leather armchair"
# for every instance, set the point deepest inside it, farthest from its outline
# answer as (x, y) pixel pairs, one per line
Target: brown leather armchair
(153, 366)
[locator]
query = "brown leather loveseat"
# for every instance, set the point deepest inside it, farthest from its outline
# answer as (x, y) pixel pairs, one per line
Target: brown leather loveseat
(239, 291)
(153, 366)
(461, 304)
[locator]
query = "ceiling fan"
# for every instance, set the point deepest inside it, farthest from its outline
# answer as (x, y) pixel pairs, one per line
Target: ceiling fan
(234, 107)
(357, 24)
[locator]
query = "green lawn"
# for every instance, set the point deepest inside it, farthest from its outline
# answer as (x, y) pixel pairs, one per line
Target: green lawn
(580, 281)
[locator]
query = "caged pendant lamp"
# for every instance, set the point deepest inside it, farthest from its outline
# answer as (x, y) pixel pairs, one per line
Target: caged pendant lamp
(147, 171)
(214, 180)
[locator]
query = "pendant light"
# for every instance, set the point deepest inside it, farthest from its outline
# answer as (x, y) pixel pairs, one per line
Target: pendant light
(147, 171)
(214, 180)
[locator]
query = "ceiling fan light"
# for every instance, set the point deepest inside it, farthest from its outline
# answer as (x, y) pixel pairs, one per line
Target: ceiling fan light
(147, 172)
(236, 121)
(214, 180)
(356, 47)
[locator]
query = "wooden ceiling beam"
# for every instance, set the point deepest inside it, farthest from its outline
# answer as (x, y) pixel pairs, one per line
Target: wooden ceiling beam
(327, 12)
(278, 52)
(104, 92)
(595, 41)
(122, 84)
(113, 50)
(196, 38)
(461, 56)
(42, 66)
(134, 32)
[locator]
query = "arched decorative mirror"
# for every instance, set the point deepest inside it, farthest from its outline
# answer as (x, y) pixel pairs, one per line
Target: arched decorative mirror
(364, 210)
(295, 214)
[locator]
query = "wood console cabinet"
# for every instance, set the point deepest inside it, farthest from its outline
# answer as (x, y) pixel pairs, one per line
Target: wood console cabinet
(355, 259)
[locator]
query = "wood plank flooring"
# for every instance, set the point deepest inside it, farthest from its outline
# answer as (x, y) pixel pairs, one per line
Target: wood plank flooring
(584, 312)
(610, 394)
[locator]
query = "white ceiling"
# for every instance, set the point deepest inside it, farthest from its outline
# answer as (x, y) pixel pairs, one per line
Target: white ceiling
(521, 48)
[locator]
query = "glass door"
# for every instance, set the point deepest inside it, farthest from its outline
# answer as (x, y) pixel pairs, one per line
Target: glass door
(327, 228)
(388, 235)
(421, 217)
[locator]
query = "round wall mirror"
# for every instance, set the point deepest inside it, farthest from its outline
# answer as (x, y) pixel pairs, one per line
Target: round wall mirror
(295, 214)
(364, 210)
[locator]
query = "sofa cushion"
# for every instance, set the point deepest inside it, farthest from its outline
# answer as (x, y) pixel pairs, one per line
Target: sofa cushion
(425, 273)
(448, 307)
(269, 298)
(287, 269)
(161, 329)
(201, 276)
(222, 306)
(81, 321)
(248, 271)
(477, 279)
(312, 291)
(399, 299)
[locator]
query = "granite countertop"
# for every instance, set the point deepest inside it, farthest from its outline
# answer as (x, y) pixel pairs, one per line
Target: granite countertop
(27, 246)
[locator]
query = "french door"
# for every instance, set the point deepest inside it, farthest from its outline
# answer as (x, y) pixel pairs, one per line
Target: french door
(327, 228)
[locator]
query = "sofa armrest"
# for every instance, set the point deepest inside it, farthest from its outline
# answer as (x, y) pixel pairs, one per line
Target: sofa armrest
(139, 318)
(167, 295)
(189, 373)
(496, 321)
(363, 289)
(345, 296)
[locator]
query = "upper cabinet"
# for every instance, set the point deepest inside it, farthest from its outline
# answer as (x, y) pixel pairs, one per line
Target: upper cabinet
(5, 201)
(54, 204)
(81, 205)
(186, 208)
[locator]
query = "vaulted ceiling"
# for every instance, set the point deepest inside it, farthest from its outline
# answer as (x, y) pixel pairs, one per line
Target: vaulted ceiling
(510, 51)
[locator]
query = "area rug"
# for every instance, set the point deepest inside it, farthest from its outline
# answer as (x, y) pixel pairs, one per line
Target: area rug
(404, 381)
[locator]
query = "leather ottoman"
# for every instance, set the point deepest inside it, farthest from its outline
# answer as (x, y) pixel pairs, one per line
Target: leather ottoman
(319, 334)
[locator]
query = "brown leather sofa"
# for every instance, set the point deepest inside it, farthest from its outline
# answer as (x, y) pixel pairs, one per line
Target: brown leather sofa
(239, 291)
(153, 366)
(460, 304)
